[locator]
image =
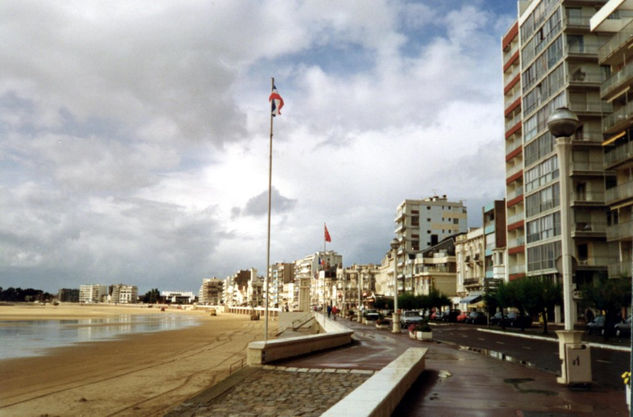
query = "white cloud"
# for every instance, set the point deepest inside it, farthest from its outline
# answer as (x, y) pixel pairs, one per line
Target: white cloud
(134, 138)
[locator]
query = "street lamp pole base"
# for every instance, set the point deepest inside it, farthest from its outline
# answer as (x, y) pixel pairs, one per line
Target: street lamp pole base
(572, 338)
(396, 323)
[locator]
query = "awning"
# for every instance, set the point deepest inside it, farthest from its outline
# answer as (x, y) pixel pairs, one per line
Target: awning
(471, 299)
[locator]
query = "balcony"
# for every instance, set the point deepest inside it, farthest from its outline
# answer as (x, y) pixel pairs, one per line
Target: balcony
(591, 107)
(618, 193)
(585, 78)
(578, 22)
(617, 42)
(619, 269)
(586, 167)
(513, 243)
(513, 170)
(589, 229)
(584, 50)
(617, 81)
(618, 154)
(510, 123)
(514, 218)
(587, 198)
(472, 282)
(517, 269)
(594, 262)
(619, 118)
(514, 194)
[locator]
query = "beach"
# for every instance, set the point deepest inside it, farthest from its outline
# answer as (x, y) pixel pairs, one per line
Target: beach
(140, 374)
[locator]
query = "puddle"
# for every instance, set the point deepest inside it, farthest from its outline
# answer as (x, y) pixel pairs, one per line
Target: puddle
(516, 382)
(499, 356)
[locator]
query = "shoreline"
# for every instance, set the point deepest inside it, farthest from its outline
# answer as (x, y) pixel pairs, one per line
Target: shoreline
(132, 374)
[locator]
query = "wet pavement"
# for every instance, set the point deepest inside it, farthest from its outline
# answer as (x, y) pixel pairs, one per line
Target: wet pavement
(461, 382)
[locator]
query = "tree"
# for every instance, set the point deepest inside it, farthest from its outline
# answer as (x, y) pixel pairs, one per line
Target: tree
(152, 296)
(539, 295)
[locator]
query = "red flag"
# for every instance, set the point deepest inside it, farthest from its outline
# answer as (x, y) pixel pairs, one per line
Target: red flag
(327, 234)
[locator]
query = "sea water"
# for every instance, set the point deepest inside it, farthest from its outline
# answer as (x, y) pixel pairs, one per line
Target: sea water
(23, 338)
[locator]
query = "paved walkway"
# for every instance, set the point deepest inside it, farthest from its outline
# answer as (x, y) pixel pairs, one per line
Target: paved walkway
(456, 382)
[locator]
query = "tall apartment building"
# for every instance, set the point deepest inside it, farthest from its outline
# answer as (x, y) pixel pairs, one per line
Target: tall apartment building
(92, 293)
(421, 224)
(236, 286)
(470, 256)
(282, 277)
(68, 295)
(515, 210)
(615, 19)
(435, 268)
(355, 284)
(316, 274)
(211, 292)
(557, 61)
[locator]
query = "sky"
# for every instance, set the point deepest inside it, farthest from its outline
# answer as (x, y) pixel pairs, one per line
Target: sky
(134, 136)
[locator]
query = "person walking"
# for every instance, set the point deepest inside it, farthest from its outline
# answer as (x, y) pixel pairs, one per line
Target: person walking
(329, 311)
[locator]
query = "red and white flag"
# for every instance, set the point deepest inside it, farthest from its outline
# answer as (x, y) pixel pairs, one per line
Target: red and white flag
(276, 102)
(326, 234)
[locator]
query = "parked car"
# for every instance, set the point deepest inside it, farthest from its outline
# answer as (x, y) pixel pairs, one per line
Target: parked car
(623, 328)
(597, 325)
(439, 315)
(461, 318)
(451, 316)
(410, 317)
(476, 317)
(371, 315)
(499, 319)
(514, 319)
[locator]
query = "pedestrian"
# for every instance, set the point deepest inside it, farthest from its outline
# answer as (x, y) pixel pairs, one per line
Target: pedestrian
(334, 311)
(329, 311)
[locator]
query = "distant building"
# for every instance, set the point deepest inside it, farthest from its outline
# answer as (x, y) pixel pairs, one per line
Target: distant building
(123, 294)
(68, 295)
(211, 292)
(494, 224)
(92, 293)
(316, 274)
(282, 277)
(236, 287)
(355, 284)
(435, 268)
(179, 297)
(470, 252)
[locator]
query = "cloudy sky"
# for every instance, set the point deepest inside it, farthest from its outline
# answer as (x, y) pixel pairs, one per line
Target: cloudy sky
(134, 135)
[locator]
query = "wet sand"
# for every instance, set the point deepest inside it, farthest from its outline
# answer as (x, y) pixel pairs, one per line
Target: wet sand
(138, 375)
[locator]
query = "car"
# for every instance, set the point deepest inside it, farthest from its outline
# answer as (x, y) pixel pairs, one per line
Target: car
(439, 315)
(499, 319)
(410, 317)
(597, 325)
(623, 328)
(371, 315)
(514, 319)
(476, 317)
(451, 316)
(461, 318)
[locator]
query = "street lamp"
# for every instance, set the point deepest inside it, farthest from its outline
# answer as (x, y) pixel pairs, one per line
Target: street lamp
(562, 123)
(396, 315)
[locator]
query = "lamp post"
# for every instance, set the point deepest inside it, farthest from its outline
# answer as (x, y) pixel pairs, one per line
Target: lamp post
(562, 123)
(359, 282)
(396, 315)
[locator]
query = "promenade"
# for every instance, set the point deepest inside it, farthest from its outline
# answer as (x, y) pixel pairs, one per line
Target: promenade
(457, 381)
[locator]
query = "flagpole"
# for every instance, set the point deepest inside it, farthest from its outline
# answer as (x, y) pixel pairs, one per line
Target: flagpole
(270, 183)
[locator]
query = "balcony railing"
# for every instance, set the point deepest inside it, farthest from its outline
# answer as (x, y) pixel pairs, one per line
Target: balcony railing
(510, 123)
(579, 21)
(590, 227)
(470, 282)
(620, 115)
(590, 48)
(617, 80)
(513, 170)
(618, 154)
(516, 217)
(619, 192)
(620, 269)
(588, 197)
(513, 243)
(515, 193)
(595, 261)
(620, 231)
(586, 166)
(618, 41)
(517, 269)
(513, 144)
(591, 107)
(582, 77)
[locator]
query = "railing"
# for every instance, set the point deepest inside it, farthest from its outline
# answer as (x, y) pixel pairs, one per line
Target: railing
(588, 196)
(469, 282)
(517, 269)
(617, 80)
(595, 261)
(578, 76)
(591, 107)
(590, 48)
(513, 194)
(511, 171)
(619, 269)
(517, 217)
(619, 192)
(620, 115)
(510, 123)
(617, 41)
(510, 76)
(577, 21)
(620, 231)
(590, 227)
(514, 144)
(618, 154)
(586, 166)
(513, 243)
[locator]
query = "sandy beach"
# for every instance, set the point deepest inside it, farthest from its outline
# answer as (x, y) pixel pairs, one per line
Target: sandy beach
(137, 375)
